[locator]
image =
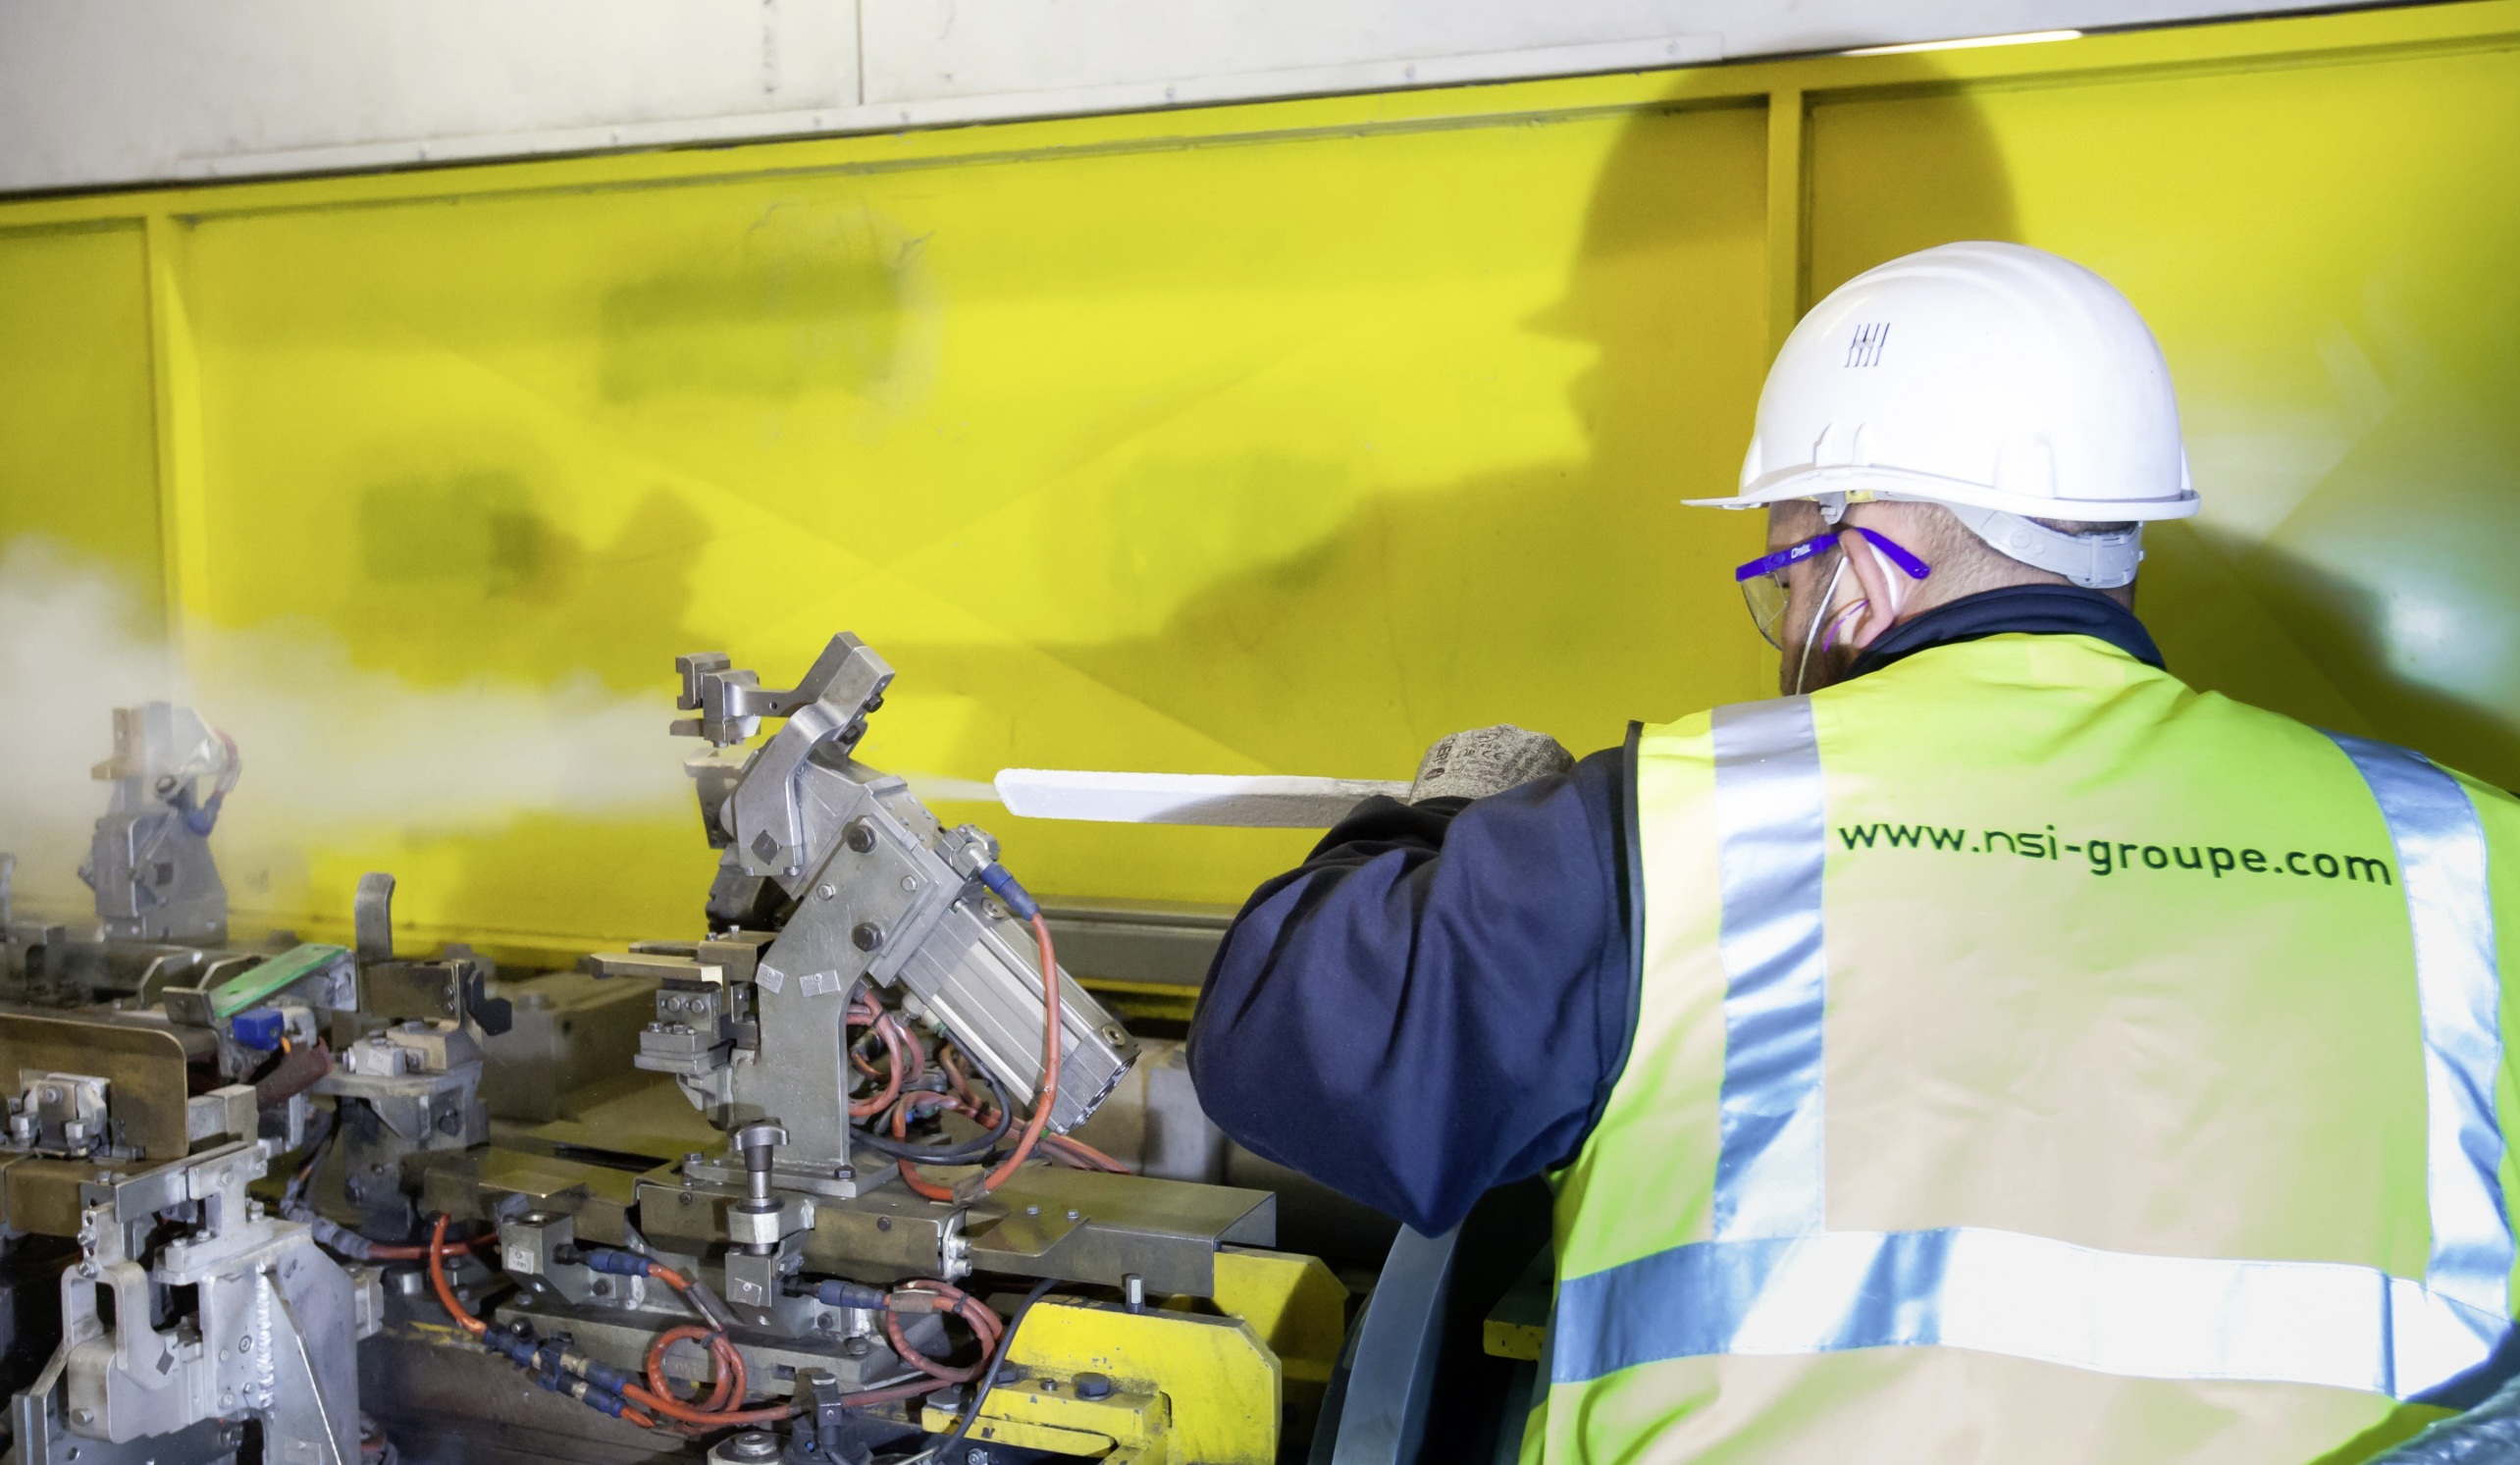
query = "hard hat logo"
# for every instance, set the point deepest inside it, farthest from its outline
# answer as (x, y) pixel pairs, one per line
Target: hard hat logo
(2025, 387)
(1864, 349)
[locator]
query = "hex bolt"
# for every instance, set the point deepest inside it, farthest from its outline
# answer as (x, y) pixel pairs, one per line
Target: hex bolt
(867, 936)
(752, 1445)
(826, 890)
(1092, 1386)
(860, 836)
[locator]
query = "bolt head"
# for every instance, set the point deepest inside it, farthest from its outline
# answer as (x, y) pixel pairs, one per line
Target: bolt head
(860, 836)
(866, 936)
(826, 890)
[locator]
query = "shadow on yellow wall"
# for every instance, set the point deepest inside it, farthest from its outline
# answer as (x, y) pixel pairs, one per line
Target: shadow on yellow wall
(1284, 453)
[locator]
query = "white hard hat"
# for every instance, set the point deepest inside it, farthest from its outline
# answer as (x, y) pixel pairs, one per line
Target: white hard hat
(1996, 380)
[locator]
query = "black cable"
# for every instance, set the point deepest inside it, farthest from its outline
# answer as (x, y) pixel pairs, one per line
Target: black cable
(988, 1377)
(966, 1151)
(295, 1190)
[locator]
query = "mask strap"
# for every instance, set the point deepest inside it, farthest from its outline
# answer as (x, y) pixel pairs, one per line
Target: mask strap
(1811, 637)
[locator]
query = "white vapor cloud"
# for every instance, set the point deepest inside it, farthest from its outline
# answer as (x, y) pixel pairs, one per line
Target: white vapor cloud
(330, 748)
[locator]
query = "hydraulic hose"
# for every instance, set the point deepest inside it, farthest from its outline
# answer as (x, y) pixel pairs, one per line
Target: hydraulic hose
(1053, 1021)
(296, 1070)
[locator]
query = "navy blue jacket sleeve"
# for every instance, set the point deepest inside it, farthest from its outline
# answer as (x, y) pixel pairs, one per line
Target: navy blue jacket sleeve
(1439, 1000)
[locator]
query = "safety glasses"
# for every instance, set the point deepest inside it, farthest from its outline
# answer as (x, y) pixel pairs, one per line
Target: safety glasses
(1762, 580)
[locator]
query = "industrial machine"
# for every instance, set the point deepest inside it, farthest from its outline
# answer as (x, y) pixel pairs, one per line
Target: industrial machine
(815, 1180)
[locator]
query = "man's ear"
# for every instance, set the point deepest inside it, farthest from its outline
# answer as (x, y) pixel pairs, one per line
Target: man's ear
(1878, 617)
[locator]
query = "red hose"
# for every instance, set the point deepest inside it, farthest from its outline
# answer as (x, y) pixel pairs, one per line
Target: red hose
(1051, 1025)
(380, 1252)
(890, 1031)
(446, 1294)
(985, 1325)
(1082, 1155)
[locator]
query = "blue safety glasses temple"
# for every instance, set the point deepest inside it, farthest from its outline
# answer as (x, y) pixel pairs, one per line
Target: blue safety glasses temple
(1762, 580)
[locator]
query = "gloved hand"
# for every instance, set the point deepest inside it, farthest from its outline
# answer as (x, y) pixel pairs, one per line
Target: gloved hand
(1487, 760)
(2486, 1434)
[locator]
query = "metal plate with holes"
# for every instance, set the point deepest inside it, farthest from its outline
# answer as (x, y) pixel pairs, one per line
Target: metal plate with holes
(1166, 1231)
(142, 1063)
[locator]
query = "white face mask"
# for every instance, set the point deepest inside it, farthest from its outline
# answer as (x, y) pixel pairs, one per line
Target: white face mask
(1830, 625)
(1820, 617)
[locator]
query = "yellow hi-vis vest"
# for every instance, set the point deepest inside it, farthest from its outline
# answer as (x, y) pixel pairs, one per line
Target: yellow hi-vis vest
(2036, 1060)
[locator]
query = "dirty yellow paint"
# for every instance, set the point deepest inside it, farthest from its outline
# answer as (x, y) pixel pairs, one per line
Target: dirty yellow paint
(75, 412)
(1272, 437)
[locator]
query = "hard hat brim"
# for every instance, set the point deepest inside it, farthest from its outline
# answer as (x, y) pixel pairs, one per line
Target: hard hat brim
(1859, 482)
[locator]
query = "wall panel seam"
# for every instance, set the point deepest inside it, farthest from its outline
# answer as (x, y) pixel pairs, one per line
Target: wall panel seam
(2254, 44)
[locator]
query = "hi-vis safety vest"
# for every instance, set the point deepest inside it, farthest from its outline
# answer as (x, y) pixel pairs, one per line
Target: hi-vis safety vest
(2035, 1060)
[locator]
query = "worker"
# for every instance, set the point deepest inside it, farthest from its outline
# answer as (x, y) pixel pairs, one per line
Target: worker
(1991, 1050)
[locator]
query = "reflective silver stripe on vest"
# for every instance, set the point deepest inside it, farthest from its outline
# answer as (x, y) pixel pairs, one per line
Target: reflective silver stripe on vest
(2441, 856)
(1798, 1288)
(2151, 1316)
(1771, 833)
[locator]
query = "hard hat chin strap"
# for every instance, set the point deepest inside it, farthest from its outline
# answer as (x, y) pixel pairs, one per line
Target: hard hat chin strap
(2095, 561)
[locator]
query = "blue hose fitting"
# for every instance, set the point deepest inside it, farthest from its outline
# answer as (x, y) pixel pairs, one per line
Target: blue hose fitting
(838, 1293)
(593, 1395)
(518, 1348)
(1003, 885)
(614, 1260)
(595, 1371)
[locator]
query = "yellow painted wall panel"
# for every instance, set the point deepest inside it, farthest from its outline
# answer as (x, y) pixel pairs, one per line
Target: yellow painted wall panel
(77, 458)
(1271, 437)
(2327, 254)
(1280, 456)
